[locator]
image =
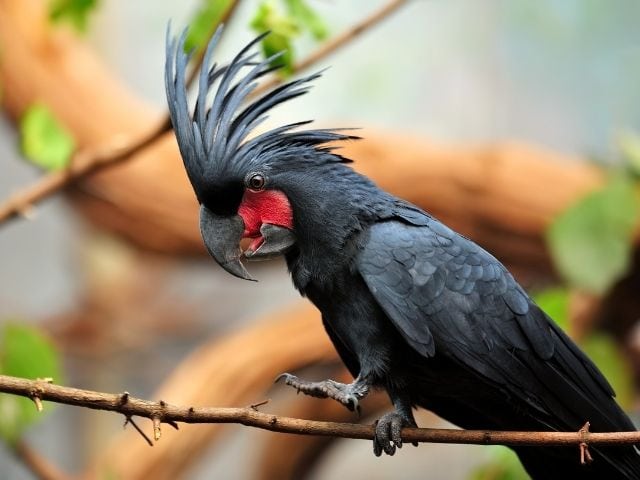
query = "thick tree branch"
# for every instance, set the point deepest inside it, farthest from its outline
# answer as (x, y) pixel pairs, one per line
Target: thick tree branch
(88, 161)
(162, 412)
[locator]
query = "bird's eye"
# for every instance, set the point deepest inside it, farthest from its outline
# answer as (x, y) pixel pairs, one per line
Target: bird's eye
(256, 181)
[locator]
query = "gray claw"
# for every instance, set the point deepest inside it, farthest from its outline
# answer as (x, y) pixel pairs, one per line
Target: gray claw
(287, 377)
(388, 432)
(347, 395)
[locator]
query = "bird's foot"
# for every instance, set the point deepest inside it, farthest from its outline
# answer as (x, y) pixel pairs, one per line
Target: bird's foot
(348, 395)
(388, 431)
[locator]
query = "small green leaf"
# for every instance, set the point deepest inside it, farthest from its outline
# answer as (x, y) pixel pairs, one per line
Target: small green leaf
(269, 18)
(276, 43)
(75, 12)
(307, 18)
(43, 140)
(591, 242)
(283, 29)
(26, 353)
(204, 21)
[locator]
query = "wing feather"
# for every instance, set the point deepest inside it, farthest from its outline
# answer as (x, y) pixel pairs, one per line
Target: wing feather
(448, 296)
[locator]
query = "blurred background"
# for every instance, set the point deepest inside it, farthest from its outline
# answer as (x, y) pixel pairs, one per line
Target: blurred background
(514, 122)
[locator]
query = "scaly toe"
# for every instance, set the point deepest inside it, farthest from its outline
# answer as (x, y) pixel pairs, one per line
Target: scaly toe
(388, 433)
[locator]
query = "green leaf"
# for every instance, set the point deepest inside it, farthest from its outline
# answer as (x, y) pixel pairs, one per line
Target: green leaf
(275, 43)
(269, 18)
(503, 464)
(26, 353)
(307, 18)
(44, 141)
(204, 22)
(591, 242)
(75, 12)
(283, 29)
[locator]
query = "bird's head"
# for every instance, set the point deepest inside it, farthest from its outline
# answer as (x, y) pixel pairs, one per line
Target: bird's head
(247, 187)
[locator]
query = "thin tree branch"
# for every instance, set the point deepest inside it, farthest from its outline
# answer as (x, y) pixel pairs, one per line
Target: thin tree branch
(162, 412)
(334, 44)
(87, 162)
(199, 55)
(82, 163)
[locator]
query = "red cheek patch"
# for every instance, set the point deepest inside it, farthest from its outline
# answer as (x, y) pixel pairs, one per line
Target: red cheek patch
(266, 206)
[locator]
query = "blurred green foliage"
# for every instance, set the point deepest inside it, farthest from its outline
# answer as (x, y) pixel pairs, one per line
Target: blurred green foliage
(43, 140)
(629, 145)
(591, 241)
(204, 22)
(307, 18)
(605, 353)
(502, 464)
(25, 353)
(555, 303)
(75, 12)
(286, 24)
(599, 346)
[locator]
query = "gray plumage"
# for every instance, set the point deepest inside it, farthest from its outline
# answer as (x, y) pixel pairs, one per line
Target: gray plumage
(411, 306)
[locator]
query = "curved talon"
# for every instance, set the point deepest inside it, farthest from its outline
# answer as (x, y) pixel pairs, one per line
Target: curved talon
(348, 395)
(351, 402)
(281, 376)
(289, 379)
(388, 432)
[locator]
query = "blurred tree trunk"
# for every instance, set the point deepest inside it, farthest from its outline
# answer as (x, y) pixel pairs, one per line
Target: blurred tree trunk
(233, 371)
(503, 196)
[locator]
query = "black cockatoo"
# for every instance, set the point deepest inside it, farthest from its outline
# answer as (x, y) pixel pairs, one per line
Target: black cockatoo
(411, 306)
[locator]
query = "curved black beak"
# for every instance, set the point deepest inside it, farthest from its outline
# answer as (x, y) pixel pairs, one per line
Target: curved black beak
(275, 241)
(222, 235)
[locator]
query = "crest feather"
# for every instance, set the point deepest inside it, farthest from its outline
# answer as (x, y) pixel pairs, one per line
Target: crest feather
(214, 138)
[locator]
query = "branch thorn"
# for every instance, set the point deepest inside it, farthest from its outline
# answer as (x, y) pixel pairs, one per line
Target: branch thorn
(585, 455)
(27, 211)
(138, 429)
(254, 406)
(157, 432)
(38, 401)
(173, 424)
